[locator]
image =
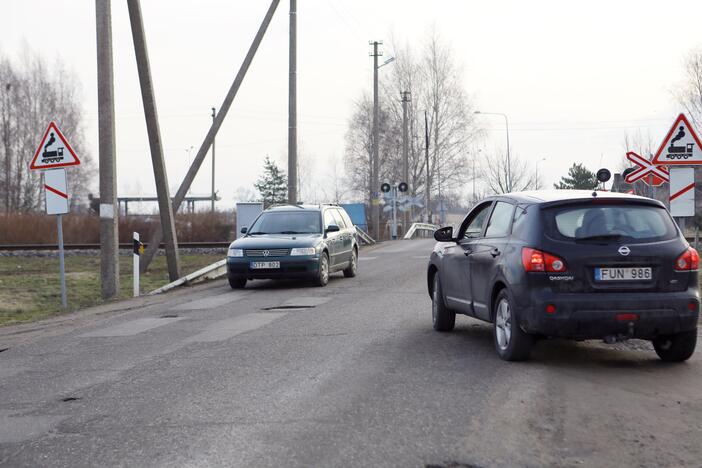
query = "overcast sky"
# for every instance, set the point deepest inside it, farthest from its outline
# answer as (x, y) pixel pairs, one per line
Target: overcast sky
(573, 77)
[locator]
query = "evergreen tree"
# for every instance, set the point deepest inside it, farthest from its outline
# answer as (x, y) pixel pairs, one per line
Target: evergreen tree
(578, 178)
(272, 185)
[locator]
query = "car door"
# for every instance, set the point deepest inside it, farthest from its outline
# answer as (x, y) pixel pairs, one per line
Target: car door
(332, 238)
(455, 265)
(487, 254)
(345, 238)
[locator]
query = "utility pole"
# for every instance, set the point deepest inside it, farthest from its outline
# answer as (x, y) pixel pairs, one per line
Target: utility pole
(157, 235)
(426, 154)
(109, 249)
(405, 153)
(375, 182)
(165, 208)
(214, 114)
(292, 106)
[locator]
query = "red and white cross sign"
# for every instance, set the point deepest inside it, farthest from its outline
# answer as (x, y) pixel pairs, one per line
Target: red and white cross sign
(658, 174)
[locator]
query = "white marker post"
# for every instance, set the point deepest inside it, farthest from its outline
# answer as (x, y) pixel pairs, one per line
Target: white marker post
(138, 247)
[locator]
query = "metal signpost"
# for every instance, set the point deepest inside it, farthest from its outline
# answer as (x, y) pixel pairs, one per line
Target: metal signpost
(52, 156)
(137, 250)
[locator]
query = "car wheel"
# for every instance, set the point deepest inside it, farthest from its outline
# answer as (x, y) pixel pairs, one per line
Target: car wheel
(676, 348)
(442, 317)
(352, 269)
(511, 343)
(323, 271)
(237, 283)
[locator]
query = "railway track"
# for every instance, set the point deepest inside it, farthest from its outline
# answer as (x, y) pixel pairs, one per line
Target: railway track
(182, 245)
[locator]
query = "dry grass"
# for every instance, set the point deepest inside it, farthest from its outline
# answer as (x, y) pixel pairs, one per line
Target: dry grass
(80, 228)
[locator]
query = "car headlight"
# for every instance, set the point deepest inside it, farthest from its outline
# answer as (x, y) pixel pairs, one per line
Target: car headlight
(235, 252)
(303, 251)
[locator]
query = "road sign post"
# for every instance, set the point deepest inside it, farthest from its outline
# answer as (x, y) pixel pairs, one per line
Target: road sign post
(52, 156)
(137, 250)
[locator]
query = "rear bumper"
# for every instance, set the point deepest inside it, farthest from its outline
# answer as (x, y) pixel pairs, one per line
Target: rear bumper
(590, 316)
(290, 267)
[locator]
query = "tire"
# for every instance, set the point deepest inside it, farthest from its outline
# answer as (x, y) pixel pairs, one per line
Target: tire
(352, 269)
(443, 319)
(511, 343)
(323, 272)
(237, 283)
(676, 348)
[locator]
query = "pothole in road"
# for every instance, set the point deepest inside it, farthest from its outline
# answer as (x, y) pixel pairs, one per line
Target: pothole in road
(70, 398)
(284, 308)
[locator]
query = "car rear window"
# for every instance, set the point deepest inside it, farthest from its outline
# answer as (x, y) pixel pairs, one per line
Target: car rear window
(632, 223)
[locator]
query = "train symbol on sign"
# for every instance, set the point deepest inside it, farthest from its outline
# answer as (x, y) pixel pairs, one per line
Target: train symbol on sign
(679, 152)
(51, 156)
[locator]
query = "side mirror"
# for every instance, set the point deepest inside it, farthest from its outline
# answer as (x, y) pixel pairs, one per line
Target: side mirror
(332, 228)
(244, 230)
(444, 234)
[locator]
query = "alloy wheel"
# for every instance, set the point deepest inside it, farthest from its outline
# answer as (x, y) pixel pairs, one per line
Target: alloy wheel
(503, 324)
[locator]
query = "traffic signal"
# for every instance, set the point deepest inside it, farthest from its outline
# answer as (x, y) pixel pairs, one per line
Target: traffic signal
(385, 187)
(402, 187)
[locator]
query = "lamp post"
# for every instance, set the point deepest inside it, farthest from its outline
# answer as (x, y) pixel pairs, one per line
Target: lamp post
(536, 173)
(509, 161)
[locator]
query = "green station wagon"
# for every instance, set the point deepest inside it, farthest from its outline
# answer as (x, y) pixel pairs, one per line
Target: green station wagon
(295, 241)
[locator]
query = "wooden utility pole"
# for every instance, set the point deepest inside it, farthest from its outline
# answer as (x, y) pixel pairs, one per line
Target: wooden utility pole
(375, 169)
(109, 249)
(212, 206)
(405, 155)
(157, 236)
(292, 107)
(165, 207)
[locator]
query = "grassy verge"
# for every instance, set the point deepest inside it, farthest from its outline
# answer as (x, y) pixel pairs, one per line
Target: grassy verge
(30, 288)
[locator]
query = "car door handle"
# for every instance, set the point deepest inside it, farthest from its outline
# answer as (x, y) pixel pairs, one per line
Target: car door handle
(495, 252)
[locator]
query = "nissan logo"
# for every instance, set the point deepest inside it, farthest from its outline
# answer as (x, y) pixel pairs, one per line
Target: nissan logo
(624, 250)
(267, 252)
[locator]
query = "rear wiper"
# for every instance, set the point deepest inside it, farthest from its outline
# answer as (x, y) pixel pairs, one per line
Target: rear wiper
(599, 237)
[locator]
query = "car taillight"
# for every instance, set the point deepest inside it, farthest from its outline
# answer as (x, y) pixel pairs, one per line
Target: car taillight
(536, 260)
(688, 261)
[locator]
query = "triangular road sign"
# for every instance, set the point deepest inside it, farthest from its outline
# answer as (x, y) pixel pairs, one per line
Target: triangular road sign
(680, 145)
(54, 151)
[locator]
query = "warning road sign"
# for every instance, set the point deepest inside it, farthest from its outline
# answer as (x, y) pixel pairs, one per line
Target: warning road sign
(682, 191)
(680, 145)
(56, 191)
(648, 171)
(54, 151)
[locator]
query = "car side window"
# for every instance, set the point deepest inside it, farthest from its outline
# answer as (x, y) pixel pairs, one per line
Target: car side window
(474, 228)
(500, 221)
(339, 219)
(328, 219)
(346, 218)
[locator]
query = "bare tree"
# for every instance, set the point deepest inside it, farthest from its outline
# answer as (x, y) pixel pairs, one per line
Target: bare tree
(495, 175)
(690, 92)
(34, 93)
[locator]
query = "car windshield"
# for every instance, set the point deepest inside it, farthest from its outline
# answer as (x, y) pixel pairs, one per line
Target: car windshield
(287, 222)
(610, 222)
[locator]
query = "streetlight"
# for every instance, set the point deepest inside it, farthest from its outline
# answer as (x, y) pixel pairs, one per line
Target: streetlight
(509, 161)
(536, 172)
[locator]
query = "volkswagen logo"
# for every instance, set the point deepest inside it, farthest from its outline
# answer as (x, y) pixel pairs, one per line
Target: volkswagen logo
(624, 250)
(268, 252)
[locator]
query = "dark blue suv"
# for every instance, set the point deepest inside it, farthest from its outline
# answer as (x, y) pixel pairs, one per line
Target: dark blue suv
(571, 264)
(295, 241)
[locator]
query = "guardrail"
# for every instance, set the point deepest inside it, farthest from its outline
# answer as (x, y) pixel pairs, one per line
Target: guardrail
(419, 227)
(363, 235)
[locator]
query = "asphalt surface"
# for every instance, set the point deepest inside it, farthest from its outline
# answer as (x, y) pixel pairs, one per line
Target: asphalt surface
(285, 374)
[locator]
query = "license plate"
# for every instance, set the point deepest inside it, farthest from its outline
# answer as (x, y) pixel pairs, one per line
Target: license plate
(623, 274)
(264, 265)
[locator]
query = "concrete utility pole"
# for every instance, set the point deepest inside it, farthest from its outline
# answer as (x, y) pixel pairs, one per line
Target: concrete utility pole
(109, 249)
(405, 153)
(375, 182)
(426, 154)
(292, 106)
(165, 207)
(213, 164)
(157, 236)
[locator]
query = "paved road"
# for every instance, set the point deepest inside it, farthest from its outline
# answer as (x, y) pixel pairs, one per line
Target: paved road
(212, 377)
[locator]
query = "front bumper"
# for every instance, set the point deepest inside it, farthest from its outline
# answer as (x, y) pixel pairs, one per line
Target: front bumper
(590, 316)
(290, 267)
